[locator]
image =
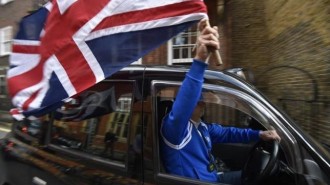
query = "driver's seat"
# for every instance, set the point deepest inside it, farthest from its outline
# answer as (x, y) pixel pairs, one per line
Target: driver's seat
(163, 108)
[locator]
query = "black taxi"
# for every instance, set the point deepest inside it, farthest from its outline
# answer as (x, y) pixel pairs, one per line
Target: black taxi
(69, 145)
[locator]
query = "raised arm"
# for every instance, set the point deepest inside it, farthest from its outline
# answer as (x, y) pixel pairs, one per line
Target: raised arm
(175, 125)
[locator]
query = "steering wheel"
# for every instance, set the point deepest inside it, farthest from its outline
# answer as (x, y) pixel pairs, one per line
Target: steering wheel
(261, 162)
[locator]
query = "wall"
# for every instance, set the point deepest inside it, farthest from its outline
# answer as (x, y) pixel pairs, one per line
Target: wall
(286, 44)
(158, 56)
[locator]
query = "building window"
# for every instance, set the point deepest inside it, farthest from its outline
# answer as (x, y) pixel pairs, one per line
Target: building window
(180, 48)
(5, 40)
(2, 2)
(2, 85)
(124, 104)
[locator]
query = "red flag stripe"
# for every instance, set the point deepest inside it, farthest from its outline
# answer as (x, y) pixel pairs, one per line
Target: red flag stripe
(27, 49)
(29, 100)
(131, 17)
(25, 80)
(76, 67)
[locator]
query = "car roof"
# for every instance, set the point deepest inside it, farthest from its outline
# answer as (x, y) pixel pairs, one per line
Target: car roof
(179, 69)
(228, 76)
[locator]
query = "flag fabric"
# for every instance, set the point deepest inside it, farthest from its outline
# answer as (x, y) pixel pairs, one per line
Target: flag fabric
(68, 46)
(95, 101)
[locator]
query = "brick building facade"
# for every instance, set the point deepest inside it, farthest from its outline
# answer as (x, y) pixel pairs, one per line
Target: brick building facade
(286, 46)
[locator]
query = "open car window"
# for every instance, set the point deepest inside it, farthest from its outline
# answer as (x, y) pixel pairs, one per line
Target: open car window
(225, 106)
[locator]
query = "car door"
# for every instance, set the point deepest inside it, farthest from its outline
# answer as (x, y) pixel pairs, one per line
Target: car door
(227, 106)
(91, 137)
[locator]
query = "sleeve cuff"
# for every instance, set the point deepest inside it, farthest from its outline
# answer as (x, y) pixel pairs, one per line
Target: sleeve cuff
(197, 69)
(255, 135)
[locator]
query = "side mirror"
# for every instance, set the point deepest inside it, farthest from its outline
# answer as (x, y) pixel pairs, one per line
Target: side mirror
(238, 72)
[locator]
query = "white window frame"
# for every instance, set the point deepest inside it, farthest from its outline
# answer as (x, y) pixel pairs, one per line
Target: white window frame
(2, 2)
(6, 35)
(190, 35)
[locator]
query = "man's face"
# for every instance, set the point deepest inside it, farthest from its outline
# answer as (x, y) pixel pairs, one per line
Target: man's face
(199, 109)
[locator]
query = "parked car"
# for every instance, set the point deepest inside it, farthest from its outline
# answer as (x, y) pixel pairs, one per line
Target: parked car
(68, 147)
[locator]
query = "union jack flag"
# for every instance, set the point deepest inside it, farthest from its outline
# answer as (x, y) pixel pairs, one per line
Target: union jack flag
(68, 46)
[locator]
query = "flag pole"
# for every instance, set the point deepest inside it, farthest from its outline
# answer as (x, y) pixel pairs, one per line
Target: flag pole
(215, 53)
